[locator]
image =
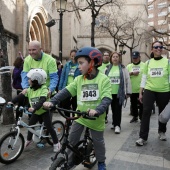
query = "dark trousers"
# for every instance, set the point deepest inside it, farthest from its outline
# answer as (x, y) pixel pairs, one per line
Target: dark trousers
(149, 97)
(136, 105)
(69, 103)
(107, 111)
(21, 103)
(116, 111)
(46, 118)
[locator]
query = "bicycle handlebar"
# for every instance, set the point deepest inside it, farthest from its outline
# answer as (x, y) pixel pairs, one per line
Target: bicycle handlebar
(80, 114)
(21, 108)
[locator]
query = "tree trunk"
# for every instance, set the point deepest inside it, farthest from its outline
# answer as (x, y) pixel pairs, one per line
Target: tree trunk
(92, 29)
(8, 115)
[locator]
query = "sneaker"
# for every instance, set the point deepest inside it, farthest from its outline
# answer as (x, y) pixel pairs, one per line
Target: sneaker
(162, 136)
(141, 142)
(112, 127)
(27, 143)
(117, 130)
(134, 119)
(57, 147)
(101, 166)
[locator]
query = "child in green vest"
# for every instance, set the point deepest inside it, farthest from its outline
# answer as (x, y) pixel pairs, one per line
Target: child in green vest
(37, 95)
(93, 90)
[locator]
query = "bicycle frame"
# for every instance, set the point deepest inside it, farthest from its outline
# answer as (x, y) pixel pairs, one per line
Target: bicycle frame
(83, 143)
(30, 128)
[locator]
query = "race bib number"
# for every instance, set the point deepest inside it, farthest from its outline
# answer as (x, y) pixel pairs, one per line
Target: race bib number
(115, 80)
(89, 92)
(136, 69)
(71, 72)
(34, 101)
(156, 72)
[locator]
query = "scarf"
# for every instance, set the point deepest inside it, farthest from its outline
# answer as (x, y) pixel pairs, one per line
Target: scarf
(121, 91)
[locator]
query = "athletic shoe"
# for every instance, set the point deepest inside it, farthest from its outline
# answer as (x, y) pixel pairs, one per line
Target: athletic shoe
(162, 136)
(27, 143)
(56, 147)
(101, 166)
(112, 127)
(141, 142)
(117, 129)
(134, 119)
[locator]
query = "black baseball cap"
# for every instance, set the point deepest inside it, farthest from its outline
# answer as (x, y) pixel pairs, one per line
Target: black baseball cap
(135, 54)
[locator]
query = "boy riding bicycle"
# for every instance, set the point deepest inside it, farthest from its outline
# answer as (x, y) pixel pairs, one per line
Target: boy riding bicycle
(93, 90)
(37, 95)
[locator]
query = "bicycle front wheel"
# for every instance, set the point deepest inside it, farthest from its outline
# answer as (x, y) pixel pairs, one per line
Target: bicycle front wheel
(59, 129)
(58, 164)
(11, 147)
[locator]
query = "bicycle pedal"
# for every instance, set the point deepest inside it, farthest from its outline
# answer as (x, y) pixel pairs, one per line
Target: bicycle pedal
(88, 164)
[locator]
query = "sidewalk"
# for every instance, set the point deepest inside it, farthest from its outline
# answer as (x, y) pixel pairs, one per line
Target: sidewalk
(121, 151)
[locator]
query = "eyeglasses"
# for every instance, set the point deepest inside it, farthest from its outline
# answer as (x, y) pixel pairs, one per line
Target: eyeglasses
(156, 47)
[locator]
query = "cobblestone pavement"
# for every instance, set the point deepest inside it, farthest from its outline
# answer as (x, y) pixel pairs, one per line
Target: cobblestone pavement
(121, 151)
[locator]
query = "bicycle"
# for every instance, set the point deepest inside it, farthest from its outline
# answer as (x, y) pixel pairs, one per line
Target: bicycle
(83, 150)
(12, 143)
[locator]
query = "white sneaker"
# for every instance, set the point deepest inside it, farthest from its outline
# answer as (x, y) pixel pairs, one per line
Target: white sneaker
(141, 142)
(27, 143)
(117, 130)
(162, 136)
(56, 147)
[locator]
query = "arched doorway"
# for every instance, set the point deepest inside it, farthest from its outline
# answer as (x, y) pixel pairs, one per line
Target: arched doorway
(104, 49)
(38, 30)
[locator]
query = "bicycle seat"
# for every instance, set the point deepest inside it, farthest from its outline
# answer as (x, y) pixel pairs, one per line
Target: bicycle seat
(2, 101)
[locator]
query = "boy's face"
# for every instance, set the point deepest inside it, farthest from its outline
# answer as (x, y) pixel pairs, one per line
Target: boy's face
(83, 65)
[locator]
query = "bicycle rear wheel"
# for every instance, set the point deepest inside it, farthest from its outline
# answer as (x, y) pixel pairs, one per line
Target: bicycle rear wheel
(88, 155)
(8, 151)
(59, 128)
(58, 164)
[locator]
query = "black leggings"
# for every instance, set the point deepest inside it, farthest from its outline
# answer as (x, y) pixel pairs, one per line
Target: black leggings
(46, 118)
(149, 97)
(116, 111)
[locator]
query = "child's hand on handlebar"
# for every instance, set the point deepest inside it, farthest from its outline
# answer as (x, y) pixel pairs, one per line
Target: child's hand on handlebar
(47, 105)
(10, 103)
(92, 112)
(31, 109)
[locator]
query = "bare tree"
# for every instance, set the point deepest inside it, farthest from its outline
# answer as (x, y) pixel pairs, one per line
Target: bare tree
(125, 30)
(95, 6)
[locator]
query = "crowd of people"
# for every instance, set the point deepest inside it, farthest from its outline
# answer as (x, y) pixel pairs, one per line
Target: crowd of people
(91, 81)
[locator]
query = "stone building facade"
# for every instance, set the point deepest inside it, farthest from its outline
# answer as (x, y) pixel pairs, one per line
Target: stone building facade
(26, 20)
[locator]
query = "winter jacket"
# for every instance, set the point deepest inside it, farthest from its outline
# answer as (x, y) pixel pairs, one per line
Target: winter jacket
(65, 72)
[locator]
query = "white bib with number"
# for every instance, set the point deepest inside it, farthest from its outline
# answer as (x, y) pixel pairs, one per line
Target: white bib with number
(71, 72)
(156, 72)
(89, 92)
(135, 69)
(115, 80)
